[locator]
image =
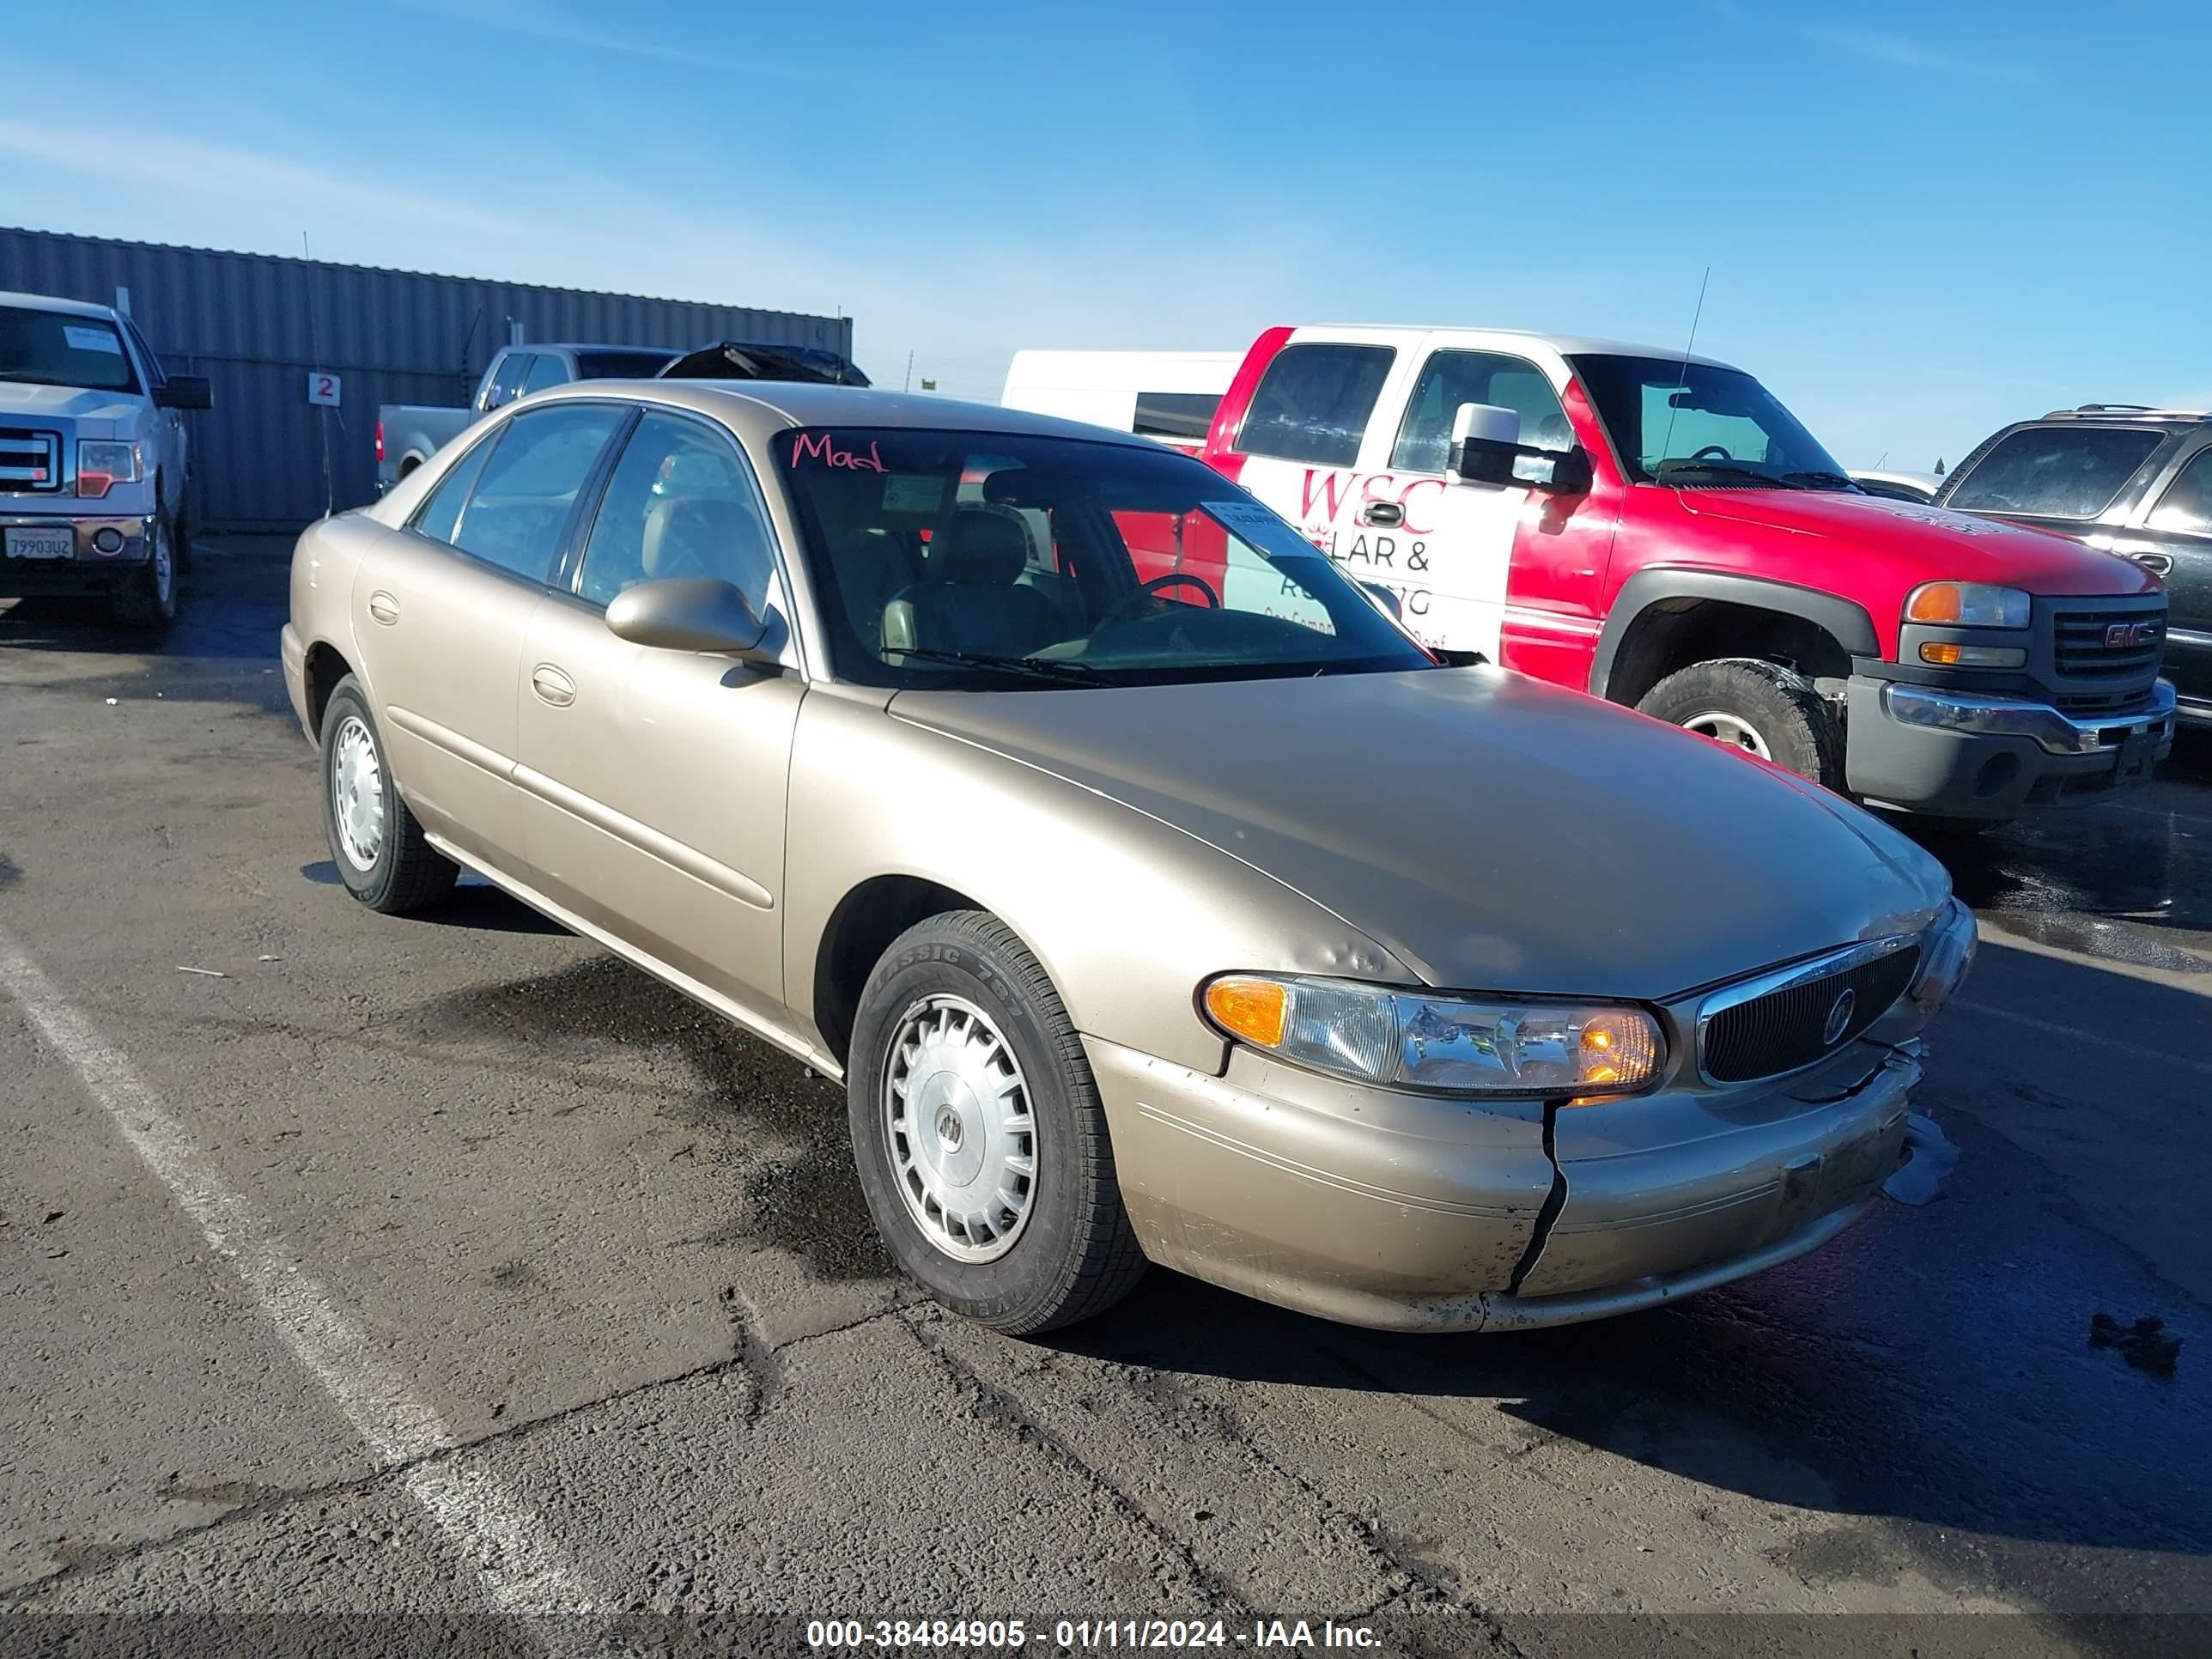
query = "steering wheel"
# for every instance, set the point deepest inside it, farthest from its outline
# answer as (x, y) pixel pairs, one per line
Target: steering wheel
(1711, 452)
(1129, 604)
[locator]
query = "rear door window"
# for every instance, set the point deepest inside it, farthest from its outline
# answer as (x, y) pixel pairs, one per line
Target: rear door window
(1314, 401)
(1450, 378)
(507, 382)
(515, 516)
(548, 371)
(2055, 472)
(2187, 504)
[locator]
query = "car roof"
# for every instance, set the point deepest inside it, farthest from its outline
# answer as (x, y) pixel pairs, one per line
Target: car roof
(54, 302)
(588, 345)
(757, 409)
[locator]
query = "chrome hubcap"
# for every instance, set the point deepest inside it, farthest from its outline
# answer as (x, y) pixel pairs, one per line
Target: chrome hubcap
(1731, 731)
(357, 793)
(956, 1123)
(165, 569)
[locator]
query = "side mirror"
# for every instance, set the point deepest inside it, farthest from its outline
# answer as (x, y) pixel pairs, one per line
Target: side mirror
(1383, 597)
(184, 392)
(690, 613)
(1487, 449)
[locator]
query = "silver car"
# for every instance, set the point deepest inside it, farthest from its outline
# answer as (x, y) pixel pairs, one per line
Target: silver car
(1155, 897)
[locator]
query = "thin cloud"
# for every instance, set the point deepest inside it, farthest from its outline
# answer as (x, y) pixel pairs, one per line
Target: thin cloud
(201, 170)
(1902, 51)
(537, 22)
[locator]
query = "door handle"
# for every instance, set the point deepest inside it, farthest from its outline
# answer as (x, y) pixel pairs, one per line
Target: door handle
(2158, 564)
(1382, 515)
(552, 686)
(383, 608)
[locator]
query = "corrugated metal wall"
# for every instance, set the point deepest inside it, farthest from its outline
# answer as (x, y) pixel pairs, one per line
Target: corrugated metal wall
(255, 325)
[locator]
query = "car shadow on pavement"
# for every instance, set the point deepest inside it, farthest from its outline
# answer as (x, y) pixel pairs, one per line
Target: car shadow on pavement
(474, 904)
(1932, 1368)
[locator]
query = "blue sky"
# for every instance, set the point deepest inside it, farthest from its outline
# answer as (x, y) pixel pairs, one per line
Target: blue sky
(1921, 220)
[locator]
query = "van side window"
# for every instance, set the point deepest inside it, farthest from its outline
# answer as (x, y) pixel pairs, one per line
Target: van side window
(1314, 401)
(1450, 378)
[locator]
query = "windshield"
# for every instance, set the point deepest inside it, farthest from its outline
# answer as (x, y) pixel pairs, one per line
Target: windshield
(982, 561)
(621, 365)
(52, 348)
(2054, 472)
(1693, 423)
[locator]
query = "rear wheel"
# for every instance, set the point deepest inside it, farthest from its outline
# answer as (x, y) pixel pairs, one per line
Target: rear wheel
(980, 1141)
(1761, 708)
(381, 853)
(148, 598)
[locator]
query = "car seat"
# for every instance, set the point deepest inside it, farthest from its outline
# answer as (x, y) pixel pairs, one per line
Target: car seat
(970, 598)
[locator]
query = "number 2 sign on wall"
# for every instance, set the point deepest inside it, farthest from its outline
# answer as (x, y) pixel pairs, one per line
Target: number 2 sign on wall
(323, 388)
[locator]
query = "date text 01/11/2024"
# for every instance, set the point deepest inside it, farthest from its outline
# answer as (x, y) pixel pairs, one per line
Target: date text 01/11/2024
(1086, 1635)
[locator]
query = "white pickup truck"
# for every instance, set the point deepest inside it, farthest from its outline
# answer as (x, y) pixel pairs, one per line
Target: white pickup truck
(93, 463)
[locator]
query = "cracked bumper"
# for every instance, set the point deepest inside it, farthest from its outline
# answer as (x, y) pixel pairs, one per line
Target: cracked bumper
(1413, 1212)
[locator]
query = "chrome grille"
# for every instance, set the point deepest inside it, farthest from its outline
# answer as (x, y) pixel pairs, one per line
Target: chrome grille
(2082, 649)
(1782, 1021)
(29, 461)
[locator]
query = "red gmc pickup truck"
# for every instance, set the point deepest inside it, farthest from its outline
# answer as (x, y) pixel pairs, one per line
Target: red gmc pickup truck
(1659, 530)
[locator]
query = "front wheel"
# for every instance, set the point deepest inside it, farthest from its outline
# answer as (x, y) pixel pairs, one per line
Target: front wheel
(1759, 707)
(148, 598)
(381, 853)
(980, 1137)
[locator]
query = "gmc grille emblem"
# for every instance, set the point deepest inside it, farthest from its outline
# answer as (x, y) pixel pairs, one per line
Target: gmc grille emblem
(2121, 636)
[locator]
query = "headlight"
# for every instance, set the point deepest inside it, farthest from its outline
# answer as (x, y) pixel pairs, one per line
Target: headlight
(1453, 1045)
(1947, 954)
(1967, 604)
(100, 465)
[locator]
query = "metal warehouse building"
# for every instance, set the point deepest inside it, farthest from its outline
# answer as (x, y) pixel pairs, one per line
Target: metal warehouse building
(258, 326)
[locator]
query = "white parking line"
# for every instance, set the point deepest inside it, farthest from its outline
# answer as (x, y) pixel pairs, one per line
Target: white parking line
(523, 1570)
(2080, 1035)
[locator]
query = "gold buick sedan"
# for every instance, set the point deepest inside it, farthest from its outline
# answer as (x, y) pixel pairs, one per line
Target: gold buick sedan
(1154, 896)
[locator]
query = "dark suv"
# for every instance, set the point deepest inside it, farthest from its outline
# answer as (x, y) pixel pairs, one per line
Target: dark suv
(2124, 478)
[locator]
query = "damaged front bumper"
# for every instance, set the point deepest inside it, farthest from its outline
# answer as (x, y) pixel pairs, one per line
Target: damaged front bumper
(1405, 1212)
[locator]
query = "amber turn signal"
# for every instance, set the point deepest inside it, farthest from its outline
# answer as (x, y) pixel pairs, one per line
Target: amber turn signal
(1253, 1009)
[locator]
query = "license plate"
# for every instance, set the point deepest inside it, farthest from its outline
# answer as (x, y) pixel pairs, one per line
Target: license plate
(41, 543)
(2138, 754)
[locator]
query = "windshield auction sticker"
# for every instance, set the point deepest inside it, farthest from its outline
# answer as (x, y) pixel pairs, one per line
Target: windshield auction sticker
(91, 339)
(1260, 527)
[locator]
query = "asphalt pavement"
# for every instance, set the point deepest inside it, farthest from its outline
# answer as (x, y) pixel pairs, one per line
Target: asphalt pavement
(385, 1284)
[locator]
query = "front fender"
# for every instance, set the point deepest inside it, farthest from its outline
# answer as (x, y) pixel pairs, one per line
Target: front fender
(1127, 914)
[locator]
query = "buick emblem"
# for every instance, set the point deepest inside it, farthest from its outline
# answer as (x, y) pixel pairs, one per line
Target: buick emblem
(1839, 1017)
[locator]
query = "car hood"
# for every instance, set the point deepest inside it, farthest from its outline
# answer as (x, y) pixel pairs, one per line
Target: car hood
(1492, 832)
(1928, 541)
(22, 399)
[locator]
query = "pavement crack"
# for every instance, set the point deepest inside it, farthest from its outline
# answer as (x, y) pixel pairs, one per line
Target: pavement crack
(998, 1406)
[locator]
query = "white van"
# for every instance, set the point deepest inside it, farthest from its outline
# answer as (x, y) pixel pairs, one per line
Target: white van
(1167, 395)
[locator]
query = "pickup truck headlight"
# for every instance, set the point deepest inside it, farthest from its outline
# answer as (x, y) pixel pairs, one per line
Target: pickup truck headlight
(102, 463)
(1967, 605)
(1446, 1044)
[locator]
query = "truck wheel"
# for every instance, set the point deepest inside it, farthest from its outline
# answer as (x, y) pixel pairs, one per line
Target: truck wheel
(976, 1125)
(380, 849)
(1761, 708)
(148, 598)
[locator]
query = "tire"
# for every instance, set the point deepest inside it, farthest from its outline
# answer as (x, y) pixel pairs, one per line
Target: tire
(390, 867)
(181, 535)
(962, 990)
(148, 598)
(1761, 706)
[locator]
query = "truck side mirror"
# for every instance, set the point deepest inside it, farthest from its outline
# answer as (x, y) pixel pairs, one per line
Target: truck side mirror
(184, 392)
(1487, 449)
